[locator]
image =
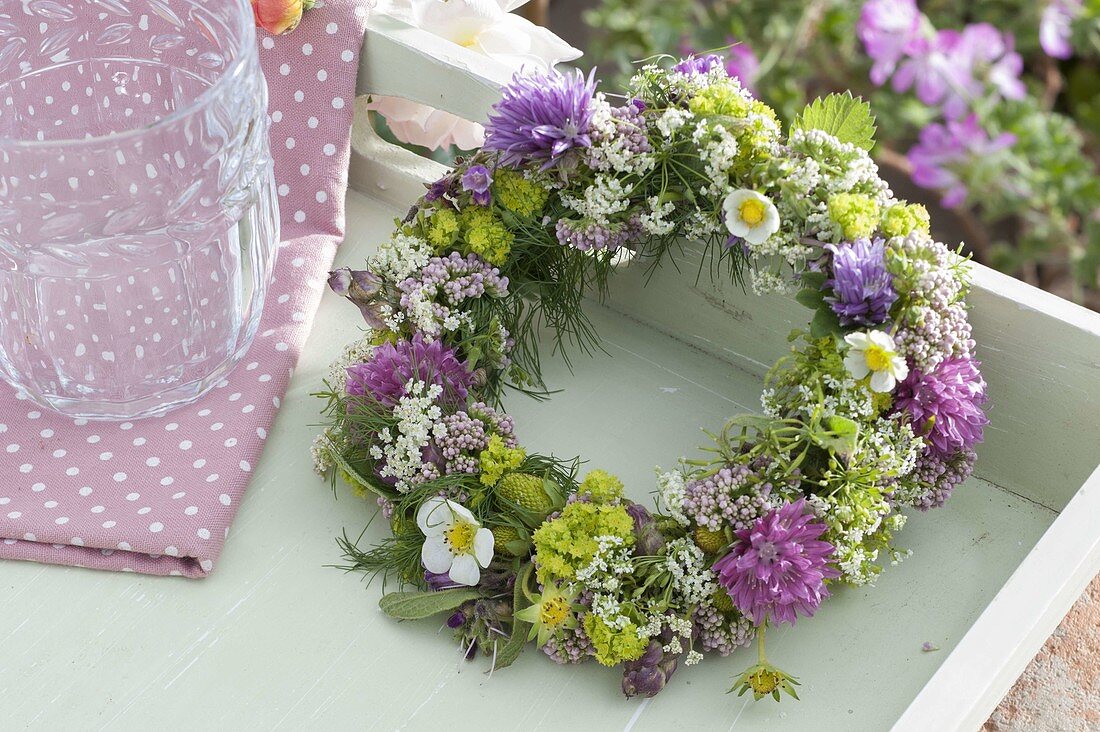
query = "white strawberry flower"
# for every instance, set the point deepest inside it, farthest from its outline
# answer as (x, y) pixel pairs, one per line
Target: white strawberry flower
(874, 353)
(455, 542)
(751, 216)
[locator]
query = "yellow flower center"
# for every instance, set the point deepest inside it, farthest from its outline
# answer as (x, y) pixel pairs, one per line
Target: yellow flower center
(752, 211)
(763, 682)
(460, 537)
(554, 611)
(877, 357)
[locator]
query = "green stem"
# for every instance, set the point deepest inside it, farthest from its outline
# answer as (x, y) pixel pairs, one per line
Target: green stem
(760, 648)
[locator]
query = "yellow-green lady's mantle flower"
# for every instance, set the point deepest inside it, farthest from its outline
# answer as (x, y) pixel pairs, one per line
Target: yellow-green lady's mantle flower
(486, 235)
(518, 194)
(568, 543)
(612, 646)
(903, 219)
(455, 542)
(874, 353)
(751, 216)
(855, 214)
(498, 458)
(552, 612)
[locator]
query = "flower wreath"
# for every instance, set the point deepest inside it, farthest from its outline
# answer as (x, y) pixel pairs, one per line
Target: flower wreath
(876, 408)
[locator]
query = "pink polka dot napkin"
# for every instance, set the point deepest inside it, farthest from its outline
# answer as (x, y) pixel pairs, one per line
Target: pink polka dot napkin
(158, 495)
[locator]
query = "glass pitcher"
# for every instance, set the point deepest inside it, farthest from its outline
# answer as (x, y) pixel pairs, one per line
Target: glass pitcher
(138, 216)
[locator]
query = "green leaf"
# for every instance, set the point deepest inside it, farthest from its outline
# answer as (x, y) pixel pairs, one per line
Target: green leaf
(843, 116)
(810, 298)
(825, 323)
(813, 280)
(420, 605)
(510, 651)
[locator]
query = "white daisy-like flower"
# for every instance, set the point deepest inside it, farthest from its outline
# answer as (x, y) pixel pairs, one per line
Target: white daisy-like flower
(874, 353)
(455, 543)
(751, 216)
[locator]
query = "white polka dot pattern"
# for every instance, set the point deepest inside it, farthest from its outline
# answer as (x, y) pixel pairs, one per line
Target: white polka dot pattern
(157, 496)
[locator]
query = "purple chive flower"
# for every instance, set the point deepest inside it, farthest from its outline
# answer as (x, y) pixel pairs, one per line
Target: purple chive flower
(942, 148)
(392, 366)
(362, 288)
(693, 65)
(863, 290)
(888, 28)
(777, 569)
(1056, 27)
(476, 180)
(946, 404)
(541, 117)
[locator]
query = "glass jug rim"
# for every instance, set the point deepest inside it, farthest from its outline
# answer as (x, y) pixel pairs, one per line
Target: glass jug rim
(245, 42)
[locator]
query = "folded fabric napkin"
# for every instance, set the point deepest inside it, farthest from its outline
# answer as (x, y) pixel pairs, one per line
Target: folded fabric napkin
(158, 495)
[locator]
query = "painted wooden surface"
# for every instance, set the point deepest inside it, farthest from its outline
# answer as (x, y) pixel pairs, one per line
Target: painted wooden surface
(275, 640)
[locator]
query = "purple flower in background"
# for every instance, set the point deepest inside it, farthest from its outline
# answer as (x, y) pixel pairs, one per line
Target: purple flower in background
(541, 117)
(945, 146)
(863, 290)
(476, 180)
(777, 569)
(945, 404)
(392, 366)
(888, 28)
(987, 53)
(1056, 27)
(693, 64)
(934, 70)
(741, 62)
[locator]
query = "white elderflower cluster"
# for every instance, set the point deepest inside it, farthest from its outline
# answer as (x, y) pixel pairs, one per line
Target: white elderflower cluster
(602, 200)
(680, 628)
(355, 352)
(670, 490)
(669, 123)
(430, 318)
(321, 451)
(602, 577)
(845, 398)
(691, 577)
(718, 150)
(766, 282)
(400, 258)
(703, 225)
(418, 421)
(654, 220)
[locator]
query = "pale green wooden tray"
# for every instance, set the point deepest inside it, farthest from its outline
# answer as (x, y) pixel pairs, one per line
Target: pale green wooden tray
(274, 640)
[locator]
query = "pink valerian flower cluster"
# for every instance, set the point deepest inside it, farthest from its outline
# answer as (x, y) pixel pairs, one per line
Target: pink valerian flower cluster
(776, 570)
(731, 497)
(467, 435)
